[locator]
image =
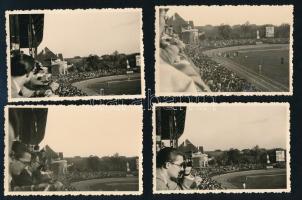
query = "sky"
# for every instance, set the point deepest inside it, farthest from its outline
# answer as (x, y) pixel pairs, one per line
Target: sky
(224, 127)
(216, 15)
(97, 131)
(80, 33)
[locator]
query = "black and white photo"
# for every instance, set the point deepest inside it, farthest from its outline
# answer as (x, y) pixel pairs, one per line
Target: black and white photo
(227, 147)
(74, 54)
(72, 150)
(213, 50)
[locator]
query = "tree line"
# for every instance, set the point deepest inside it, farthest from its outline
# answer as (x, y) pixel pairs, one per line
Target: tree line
(242, 31)
(108, 62)
(107, 163)
(256, 155)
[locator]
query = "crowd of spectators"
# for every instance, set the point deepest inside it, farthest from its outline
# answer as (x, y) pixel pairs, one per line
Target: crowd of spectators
(212, 44)
(87, 175)
(207, 183)
(216, 76)
(65, 81)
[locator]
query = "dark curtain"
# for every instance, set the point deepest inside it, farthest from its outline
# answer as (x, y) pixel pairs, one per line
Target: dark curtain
(170, 122)
(29, 124)
(19, 26)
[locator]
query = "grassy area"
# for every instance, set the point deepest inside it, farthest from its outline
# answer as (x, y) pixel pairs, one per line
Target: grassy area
(119, 87)
(116, 186)
(108, 184)
(269, 180)
(270, 59)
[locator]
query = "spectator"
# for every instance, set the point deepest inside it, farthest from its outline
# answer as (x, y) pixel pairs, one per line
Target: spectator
(177, 74)
(22, 67)
(169, 163)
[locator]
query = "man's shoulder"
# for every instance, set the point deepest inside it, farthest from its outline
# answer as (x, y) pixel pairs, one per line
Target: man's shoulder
(160, 181)
(160, 184)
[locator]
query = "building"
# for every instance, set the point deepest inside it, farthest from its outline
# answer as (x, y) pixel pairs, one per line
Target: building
(269, 31)
(55, 63)
(190, 36)
(199, 160)
(177, 24)
(57, 164)
(194, 153)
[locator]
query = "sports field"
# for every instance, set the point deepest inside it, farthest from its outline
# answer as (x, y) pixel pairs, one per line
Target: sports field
(266, 66)
(108, 184)
(114, 85)
(254, 179)
(274, 62)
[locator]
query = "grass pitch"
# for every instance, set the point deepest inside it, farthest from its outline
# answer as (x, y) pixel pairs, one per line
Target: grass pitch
(274, 62)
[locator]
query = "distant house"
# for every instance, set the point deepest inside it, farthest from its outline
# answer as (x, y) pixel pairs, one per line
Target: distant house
(134, 61)
(177, 23)
(190, 36)
(46, 57)
(184, 29)
(57, 164)
(195, 154)
(55, 63)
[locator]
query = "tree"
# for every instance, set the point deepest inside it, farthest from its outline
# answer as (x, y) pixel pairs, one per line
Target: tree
(256, 153)
(224, 31)
(246, 30)
(93, 163)
(92, 62)
(283, 31)
(233, 156)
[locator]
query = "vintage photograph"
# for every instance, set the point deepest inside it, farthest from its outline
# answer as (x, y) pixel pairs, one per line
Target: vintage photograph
(225, 147)
(213, 50)
(74, 54)
(72, 150)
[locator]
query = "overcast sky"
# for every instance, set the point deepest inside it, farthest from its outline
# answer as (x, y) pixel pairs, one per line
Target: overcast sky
(94, 131)
(80, 33)
(224, 127)
(216, 15)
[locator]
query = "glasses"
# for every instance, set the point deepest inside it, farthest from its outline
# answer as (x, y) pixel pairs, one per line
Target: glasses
(181, 165)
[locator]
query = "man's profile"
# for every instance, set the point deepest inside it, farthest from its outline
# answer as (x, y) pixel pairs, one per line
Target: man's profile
(170, 163)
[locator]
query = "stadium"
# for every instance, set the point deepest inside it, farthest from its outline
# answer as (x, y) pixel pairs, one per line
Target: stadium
(251, 167)
(54, 75)
(228, 58)
(37, 165)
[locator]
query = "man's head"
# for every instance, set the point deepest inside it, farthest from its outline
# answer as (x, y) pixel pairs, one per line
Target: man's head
(22, 65)
(171, 160)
